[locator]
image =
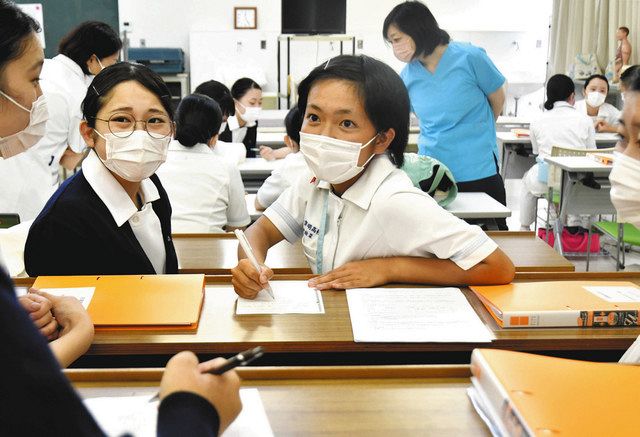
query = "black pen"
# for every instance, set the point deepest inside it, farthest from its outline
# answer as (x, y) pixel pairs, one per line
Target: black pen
(242, 359)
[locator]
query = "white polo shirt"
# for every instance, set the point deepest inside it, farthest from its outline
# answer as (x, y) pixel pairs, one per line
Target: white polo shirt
(562, 126)
(381, 215)
(287, 173)
(238, 133)
(144, 223)
(205, 190)
(606, 111)
(625, 186)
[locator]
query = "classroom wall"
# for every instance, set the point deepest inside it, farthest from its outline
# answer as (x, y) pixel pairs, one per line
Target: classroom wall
(514, 33)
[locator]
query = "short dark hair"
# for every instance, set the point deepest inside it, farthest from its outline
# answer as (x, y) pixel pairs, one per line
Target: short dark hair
(624, 29)
(416, 20)
(630, 77)
(198, 120)
(220, 93)
(559, 88)
(293, 123)
(242, 86)
(112, 76)
(15, 28)
(596, 76)
(385, 98)
(88, 39)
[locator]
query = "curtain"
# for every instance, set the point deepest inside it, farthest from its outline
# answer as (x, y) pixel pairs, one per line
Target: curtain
(589, 26)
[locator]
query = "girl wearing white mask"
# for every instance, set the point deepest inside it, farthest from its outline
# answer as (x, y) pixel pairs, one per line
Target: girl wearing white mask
(33, 177)
(114, 216)
(243, 127)
(604, 115)
(625, 176)
(361, 221)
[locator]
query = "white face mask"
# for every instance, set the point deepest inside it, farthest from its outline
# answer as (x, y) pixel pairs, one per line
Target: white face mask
(35, 130)
(251, 113)
(136, 157)
(223, 126)
(403, 51)
(330, 159)
(595, 99)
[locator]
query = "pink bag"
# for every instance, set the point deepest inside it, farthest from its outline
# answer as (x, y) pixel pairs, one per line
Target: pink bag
(572, 242)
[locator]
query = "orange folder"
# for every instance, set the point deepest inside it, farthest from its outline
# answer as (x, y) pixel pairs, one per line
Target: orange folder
(545, 396)
(559, 304)
(138, 301)
(520, 133)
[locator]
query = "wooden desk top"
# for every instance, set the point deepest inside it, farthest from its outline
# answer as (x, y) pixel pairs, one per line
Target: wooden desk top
(310, 401)
(215, 254)
(221, 331)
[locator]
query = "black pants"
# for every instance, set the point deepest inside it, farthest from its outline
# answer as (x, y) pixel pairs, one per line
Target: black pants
(494, 187)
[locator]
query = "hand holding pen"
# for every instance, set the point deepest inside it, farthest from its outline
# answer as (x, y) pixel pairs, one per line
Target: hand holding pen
(249, 277)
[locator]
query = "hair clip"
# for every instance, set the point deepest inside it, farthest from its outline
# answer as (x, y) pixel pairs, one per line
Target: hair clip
(327, 64)
(94, 88)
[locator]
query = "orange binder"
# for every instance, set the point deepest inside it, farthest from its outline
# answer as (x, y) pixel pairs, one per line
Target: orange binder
(138, 301)
(521, 133)
(561, 303)
(527, 394)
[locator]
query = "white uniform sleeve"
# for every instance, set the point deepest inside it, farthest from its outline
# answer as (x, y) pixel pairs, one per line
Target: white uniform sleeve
(237, 214)
(287, 213)
(591, 136)
(272, 187)
(425, 228)
(56, 138)
(625, 185)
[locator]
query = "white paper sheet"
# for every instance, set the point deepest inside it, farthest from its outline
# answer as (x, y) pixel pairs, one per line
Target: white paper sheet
(136, 415)
(83, 294)
(616, 294)
(291, 297)
(414, 315)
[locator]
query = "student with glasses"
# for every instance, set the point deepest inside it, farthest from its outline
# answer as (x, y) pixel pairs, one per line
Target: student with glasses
(112, 217)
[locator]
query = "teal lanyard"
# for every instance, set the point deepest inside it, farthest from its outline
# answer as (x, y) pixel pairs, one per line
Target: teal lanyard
(323, 229)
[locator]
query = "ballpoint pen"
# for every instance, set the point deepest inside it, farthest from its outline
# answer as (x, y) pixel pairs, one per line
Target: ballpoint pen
(251, 256)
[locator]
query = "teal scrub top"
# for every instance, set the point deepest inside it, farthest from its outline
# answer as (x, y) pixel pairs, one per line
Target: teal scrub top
(456, 120)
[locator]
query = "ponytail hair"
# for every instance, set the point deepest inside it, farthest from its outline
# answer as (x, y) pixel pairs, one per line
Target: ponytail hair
(559, 88)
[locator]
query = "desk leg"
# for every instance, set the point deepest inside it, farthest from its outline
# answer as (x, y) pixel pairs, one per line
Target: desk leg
(558, 226)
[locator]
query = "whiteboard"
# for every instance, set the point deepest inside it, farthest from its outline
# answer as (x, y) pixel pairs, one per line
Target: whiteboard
(228, 56)
(35, 11)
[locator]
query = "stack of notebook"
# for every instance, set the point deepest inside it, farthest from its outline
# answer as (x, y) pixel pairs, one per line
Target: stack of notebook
(520, 394)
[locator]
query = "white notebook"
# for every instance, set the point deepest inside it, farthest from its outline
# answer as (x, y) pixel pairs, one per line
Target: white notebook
(291, 297)
(414, 315)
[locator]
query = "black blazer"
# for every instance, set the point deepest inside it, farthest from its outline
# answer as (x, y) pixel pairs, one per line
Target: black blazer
(32, 384)
(249, 140)
(75, 234)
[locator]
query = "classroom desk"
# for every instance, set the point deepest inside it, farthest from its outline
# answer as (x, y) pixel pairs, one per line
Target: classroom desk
(575, 197)
(254, 171)
(216, 254)
(328, 339)
(508, 143)
(315, 401)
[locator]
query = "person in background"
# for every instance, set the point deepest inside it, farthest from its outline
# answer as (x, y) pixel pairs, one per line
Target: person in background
(604, 115)
(221, 94)
(27, 183)
(291, 167)
(33, 385)
(113, 217)
(560, 125)
(206, 192)
(456, 92)
(623, 53)
(354, 215)
(625, 176)
(243, 127)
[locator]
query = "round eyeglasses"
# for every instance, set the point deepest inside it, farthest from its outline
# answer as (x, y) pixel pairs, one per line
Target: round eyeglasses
(123, 125)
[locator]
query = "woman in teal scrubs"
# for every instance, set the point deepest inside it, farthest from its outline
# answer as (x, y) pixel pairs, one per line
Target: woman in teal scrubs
(457, 94)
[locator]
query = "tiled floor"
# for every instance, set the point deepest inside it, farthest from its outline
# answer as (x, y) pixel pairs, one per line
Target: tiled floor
(598, 263)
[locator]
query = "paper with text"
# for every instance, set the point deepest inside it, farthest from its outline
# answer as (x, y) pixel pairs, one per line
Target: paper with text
(118, 415)
(616, 294)
(414, 315)
(291, 297)
(83, 294)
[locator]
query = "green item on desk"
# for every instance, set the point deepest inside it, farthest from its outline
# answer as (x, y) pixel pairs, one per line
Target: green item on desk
(431, 176)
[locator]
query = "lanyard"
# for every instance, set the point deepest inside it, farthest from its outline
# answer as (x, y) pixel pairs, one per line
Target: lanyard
(322, 231)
